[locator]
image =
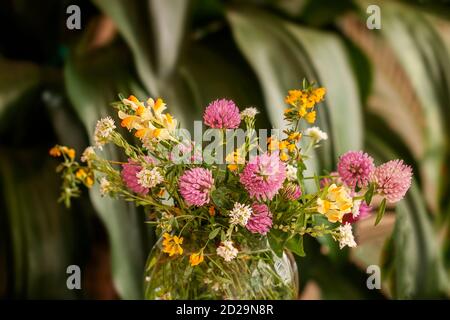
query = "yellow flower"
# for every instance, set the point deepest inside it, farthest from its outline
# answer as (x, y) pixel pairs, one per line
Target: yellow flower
(291, 147)
(336, 204)
(295, 136)
(309, 103)
(86, 178)
(302, 111)
(55, 152)
(282, 144)
(234, 159)
(81, 174)
(172, 244)
(323, 206)
(89, 182)
(284, 156)
(148, 120)
(272, 144)
(130, 122)
(311, 117)
(319, 94)
(196, 258)
(293, 97)
(71, 154)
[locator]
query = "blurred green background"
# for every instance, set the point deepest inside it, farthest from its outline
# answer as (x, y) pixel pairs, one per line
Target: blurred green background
(388, 92)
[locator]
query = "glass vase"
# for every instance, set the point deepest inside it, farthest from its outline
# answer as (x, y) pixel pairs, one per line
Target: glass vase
(256, 273)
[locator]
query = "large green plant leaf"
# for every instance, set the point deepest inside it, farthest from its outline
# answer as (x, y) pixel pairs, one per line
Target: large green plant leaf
(132, 20)
(154, 31)
(17, 78)
(40, 234)
(424, 59)
(169, 25)
(93, 81)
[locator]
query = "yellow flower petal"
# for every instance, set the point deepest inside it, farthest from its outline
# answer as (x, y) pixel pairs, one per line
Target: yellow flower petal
(311, 117)
(196, 258)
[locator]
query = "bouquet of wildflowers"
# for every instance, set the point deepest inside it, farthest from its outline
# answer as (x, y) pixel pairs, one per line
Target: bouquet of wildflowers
(227, 213)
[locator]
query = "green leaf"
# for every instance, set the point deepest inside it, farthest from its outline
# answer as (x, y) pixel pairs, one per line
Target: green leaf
(133, 21)
(154, 31)
(277, 240)
(169, 26)
(295, 244)
(214, 233)
(381, 211)
(17, 78)
(221, 198)
(43, 236)
(369, 194)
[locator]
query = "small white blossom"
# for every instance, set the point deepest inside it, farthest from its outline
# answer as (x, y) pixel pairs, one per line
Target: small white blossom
(240, 214)
(103, 131)
(105, 186)
(346, 236)
(355, 208)
(249, 113)
(227, 251)
(88, 153)
(216, 286)
(316, 134)
(149, 178)
(291, 172)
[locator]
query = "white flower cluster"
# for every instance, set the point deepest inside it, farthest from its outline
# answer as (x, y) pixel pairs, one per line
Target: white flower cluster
(291, 172)
(249, 113)
(346, 236)
(149, 178)
(103, 131)
(105, 186)
(240, 214)
(88, 154)
(355, 208)
(227, 251)
(316, 134)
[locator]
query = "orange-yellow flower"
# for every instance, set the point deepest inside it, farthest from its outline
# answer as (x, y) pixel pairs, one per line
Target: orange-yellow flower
(68, 151)
(196, 258)
(272, 144)
(295, 136)
(234, 159)
(89, 182)
(55, 152)
(284, 156)
(336, 203)
(172, 244)
(305, 98)
(291, 147)
(302, 111)
(81, 174)
(282, 144)
(311, 117)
